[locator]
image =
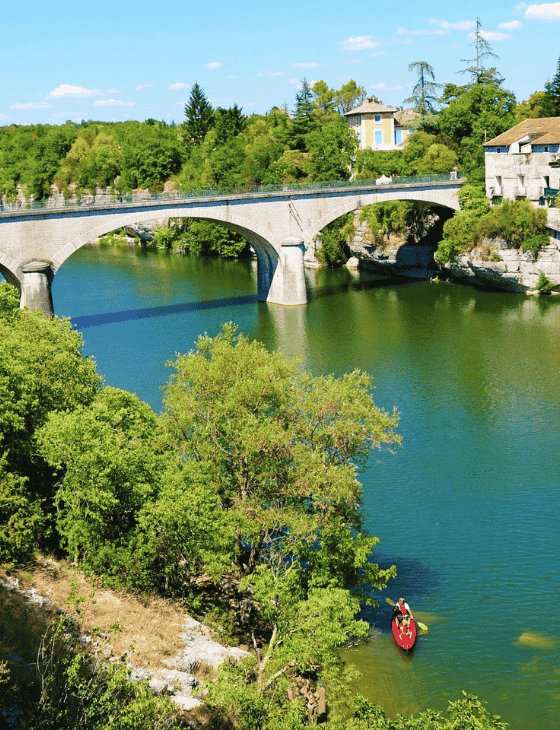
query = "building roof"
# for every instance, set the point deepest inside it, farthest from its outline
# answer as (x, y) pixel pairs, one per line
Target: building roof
(370, 107)
(545, 130)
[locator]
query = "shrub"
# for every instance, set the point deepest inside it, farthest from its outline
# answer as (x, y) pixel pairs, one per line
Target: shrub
(544, 284)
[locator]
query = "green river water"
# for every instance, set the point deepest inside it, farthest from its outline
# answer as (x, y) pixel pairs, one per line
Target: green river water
(468, 508)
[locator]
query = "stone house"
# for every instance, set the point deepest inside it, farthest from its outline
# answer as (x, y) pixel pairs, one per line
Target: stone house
(378, 127)
(524, 162)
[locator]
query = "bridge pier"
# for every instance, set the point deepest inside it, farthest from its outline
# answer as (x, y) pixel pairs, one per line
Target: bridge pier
(288, 283)
(36, 287)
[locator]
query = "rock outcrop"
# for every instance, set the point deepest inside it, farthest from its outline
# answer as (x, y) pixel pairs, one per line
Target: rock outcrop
(495, 265)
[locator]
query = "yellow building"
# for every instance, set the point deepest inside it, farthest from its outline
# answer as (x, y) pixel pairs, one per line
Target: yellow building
(378, 127)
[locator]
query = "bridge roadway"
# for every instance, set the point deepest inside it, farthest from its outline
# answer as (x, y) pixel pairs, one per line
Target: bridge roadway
(279, 224)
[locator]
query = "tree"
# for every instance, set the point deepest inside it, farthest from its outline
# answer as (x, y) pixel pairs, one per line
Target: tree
(281, 450)
(479, 73)
(228, 123)
(474, 115)
(551, 101)
(199, 115)
(332, 149)
(109, 456)
(303, 120)
(349, 96)
(531, 108)
(150, 156)
(41, 370)
(424, 93)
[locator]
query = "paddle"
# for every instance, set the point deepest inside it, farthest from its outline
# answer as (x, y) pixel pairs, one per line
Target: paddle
(419, 623)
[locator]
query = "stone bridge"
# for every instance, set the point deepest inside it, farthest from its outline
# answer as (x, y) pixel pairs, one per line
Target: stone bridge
(279, 224)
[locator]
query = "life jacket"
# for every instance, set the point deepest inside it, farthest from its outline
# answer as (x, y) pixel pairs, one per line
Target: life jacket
(402, 608)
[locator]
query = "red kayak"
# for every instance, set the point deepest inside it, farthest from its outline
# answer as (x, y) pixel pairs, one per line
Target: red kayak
(405, 636)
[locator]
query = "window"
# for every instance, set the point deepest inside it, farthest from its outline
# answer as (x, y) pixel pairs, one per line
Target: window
(546, 181)
(498, 186)
(546, 149)
(377, 118)
(398, 136)
(379, 138)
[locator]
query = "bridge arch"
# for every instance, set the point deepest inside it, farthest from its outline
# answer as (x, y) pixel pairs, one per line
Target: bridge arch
(267, 255)
(10, 270)
(442, 199)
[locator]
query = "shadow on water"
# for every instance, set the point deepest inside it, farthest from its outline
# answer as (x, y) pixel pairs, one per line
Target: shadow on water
(415, 581)
(95, 320)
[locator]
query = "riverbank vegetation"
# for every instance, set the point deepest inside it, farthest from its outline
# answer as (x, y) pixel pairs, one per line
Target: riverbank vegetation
(240, 503)
(515, 222)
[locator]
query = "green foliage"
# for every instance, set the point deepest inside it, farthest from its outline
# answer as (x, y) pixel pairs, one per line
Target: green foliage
(371, 164)
(41, 370)
(473, 116)
(199, 115)
(332, 149)
(150, 156)
(110, 456)
(303, 120)
(517, 222)
(9, 302)
(20, 518)
(544, 284)
(335, 237)
(200, 237)
(279, 448)
(531, 108)
(396, 217)
(424, 92)
(550, 105)
(350, 95)
(466, 713)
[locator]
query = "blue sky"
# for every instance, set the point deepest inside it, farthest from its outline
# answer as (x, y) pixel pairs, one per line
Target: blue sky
(123, 60)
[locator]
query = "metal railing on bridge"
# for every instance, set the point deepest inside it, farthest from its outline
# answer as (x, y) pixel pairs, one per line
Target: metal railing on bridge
(117, 199)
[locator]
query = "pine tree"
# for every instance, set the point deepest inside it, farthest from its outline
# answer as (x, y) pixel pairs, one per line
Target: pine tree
(551, 103)
(304, 120)
(424, 93)
(480, 74)
(199, 114)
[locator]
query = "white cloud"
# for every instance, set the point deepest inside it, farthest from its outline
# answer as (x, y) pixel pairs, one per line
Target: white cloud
(377, 86)
(143, 86)
(308, 64)
(402, 31)
(358, 43)
(33, 105)
(519, 7)
(492, 36)
(294, 81)
(396, 88)
(376, 55)
(213, 64)
(232, 77)
(546, 11)
(277, 73)
(180, 86)
(76, 91)
(457, 25)
(73, 116)
(3, 117)
(113, 102)
(111, 91)
(511, 25)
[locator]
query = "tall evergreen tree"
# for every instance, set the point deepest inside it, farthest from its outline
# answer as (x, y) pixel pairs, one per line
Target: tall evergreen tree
(551, 102)
(479, 73)
(303, 120)
(199, 115)
(424, 93)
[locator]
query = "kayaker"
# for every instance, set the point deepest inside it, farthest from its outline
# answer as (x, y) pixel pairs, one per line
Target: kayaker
(402, 612)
